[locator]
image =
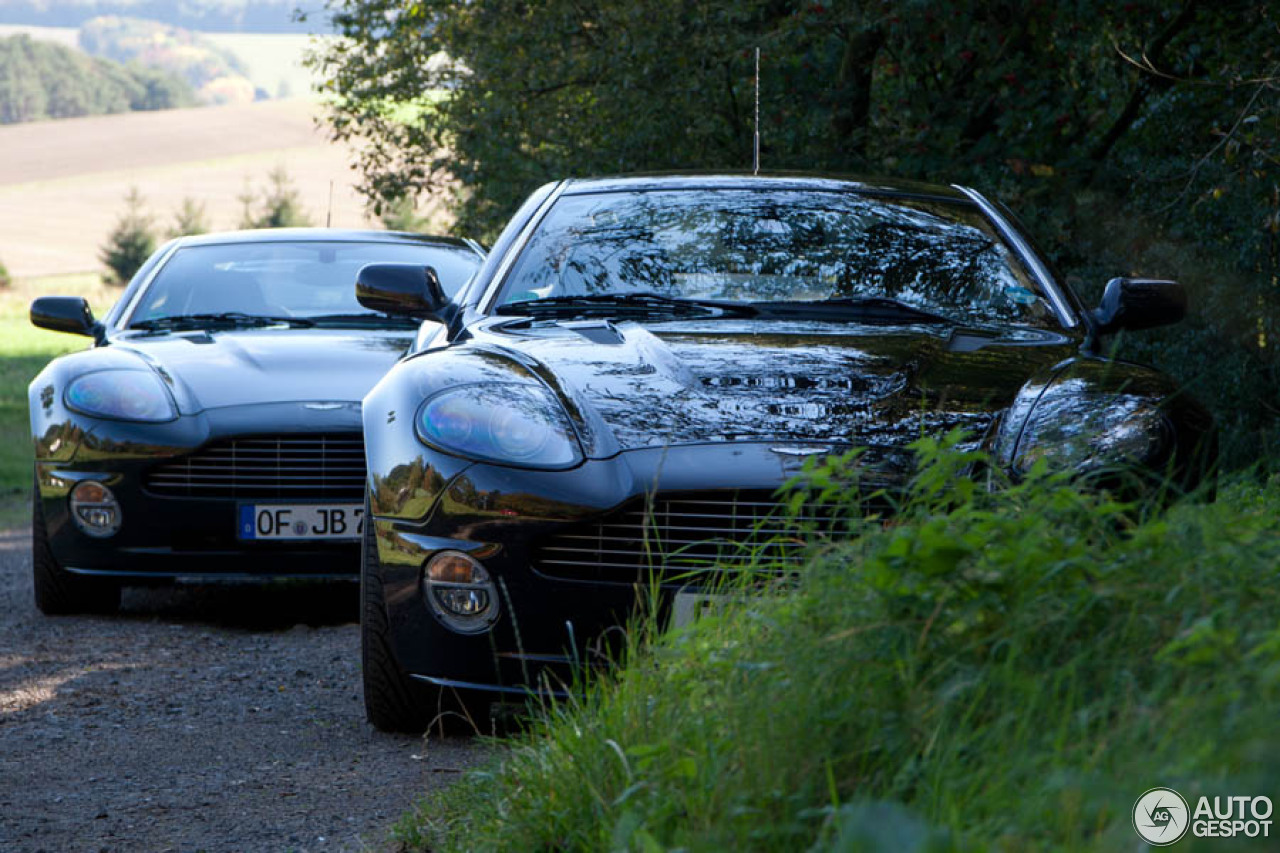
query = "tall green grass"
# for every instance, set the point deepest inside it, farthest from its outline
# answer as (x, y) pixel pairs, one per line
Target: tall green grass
(995, 669)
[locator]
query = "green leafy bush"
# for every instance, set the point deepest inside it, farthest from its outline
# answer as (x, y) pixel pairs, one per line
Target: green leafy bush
(130, 242)
(5, 279)
(1006, 669)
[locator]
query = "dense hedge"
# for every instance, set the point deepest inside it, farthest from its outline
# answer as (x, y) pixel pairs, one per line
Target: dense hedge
(1003, 671)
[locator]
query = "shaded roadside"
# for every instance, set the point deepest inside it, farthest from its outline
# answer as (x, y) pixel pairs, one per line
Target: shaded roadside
(216, 719)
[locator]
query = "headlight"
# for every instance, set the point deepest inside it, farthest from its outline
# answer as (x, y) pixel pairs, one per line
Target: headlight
(125, 395)
(513, 424)
(95, 509)
(1076, 433)
(460, 593)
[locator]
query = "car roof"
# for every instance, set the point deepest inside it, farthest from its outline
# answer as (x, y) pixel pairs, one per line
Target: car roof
(324, 235)
(763, 180)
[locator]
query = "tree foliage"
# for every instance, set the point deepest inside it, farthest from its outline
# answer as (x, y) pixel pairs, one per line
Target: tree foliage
(130, 243)
(190, 218)
(276, 206)
(39, 80)
(217, 75)
(249, 16)
(1135, 138)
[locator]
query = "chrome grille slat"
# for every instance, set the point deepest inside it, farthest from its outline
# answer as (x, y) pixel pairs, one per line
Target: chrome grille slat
(265, 467)
(673, 534)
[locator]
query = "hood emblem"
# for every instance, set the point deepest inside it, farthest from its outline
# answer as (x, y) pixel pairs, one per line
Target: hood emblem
(324, 407)
(802, 451)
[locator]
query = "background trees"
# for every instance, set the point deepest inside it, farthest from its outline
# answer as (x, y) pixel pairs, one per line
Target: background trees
(1134, 138)
(40, 80)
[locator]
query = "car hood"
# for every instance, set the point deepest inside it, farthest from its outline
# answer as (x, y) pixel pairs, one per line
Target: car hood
(209, 370)
(630, 386)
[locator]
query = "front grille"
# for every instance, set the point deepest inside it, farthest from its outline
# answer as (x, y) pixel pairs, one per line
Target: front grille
(681, 535)
(302, 467)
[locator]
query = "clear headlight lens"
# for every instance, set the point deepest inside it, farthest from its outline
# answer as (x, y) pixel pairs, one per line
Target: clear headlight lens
(512, 424)
(94, 509)
(1075, 434)
(125, 395)
(460, 593)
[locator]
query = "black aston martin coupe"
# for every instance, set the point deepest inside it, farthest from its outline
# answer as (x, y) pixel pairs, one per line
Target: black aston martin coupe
(213, 429)
(640, 364)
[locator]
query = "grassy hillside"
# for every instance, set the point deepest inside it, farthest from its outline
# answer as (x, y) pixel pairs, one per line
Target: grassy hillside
(272, 61)
(1002, 671)
(43, 80)
(252, 16)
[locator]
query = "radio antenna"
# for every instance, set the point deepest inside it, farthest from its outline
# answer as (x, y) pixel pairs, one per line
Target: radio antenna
(328, 217)
(755, 156)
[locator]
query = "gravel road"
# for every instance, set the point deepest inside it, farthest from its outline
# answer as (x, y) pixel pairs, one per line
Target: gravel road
(197, 719)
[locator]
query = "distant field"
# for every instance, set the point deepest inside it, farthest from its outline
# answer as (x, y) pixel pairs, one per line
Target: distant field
(62, 182)
(273, 60)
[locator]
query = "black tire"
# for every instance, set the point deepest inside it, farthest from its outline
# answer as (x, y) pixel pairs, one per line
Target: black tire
(394, 702)
(57, 591)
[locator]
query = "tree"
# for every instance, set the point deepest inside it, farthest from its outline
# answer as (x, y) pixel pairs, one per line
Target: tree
(39, 80)
(5, 279)
(130, 243)
(1134, 136)
(189, 219)
(401, 215)
(278, 207)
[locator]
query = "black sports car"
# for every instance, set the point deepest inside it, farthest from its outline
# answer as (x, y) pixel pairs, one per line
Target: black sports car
(642, 362)
(213, 429)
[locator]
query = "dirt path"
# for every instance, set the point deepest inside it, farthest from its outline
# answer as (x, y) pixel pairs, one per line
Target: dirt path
(197, 719)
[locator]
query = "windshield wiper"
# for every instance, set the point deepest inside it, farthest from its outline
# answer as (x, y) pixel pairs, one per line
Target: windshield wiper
(874, 309)
(233, 319)
(638, 303)
(366, 318)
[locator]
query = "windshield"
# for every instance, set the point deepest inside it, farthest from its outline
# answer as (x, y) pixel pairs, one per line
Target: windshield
(302, 279)
(777, 246)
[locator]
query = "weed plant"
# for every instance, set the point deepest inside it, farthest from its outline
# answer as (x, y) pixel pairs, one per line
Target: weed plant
(999, 668)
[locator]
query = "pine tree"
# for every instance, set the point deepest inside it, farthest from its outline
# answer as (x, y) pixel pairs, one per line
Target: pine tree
(130, 243)
(189, 219)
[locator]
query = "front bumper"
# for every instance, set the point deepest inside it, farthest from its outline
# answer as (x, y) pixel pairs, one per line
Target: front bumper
(165, 538)
(549, 626)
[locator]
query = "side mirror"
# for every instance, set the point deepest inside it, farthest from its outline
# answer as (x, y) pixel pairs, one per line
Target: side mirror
(1133, 304)
(64, 314)
(404, 289)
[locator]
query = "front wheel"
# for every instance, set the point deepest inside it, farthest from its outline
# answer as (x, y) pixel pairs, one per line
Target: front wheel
(59, 592)
(394, 702)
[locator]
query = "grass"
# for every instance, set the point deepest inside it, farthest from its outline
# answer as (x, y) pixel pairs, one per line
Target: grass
(1001, 670)
(24, 351)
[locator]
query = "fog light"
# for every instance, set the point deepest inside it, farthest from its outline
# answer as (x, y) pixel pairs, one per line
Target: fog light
(460, 593)
(94, 509)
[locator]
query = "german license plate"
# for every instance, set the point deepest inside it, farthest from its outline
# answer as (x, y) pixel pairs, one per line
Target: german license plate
(296, 522)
